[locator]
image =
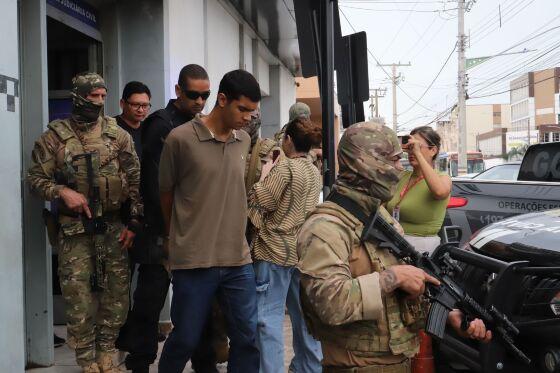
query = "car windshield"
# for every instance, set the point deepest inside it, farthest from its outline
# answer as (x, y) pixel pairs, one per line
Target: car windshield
(501, 172)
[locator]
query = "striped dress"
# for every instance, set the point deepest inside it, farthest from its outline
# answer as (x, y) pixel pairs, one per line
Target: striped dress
(278, 206)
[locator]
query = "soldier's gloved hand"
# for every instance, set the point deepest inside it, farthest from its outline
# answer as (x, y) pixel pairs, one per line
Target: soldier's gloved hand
(75, 201)
(476, 330)
(410, 279)
(126, 238)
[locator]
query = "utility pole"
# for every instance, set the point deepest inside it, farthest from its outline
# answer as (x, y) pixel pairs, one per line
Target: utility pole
(376, 93)
(396, 80)
(461, 89)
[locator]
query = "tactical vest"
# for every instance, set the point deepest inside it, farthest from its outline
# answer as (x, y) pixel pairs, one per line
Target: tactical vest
(109, 177)
(395, 333)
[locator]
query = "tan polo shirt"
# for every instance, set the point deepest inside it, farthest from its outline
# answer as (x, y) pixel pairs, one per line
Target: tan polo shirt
(210, 204)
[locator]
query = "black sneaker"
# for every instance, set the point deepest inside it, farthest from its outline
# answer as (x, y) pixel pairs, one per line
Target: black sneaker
(58, 341)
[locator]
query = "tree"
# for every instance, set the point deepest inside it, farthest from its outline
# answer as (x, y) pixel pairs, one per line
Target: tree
(517, 153)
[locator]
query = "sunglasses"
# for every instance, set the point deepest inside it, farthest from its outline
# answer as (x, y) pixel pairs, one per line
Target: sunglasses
(194, 95)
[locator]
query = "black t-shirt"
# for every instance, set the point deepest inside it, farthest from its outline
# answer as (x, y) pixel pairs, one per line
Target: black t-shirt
(136, 134)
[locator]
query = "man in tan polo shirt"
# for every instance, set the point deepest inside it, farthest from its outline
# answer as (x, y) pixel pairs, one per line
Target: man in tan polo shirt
(203, 200)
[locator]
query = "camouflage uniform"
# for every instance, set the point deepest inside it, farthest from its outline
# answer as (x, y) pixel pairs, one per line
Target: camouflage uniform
(358, 325)
(93, 268)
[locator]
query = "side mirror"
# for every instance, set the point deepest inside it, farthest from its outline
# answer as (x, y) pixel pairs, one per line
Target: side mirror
(451, 234)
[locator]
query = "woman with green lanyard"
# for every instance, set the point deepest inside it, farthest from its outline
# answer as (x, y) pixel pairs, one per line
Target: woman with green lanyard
(422, 194)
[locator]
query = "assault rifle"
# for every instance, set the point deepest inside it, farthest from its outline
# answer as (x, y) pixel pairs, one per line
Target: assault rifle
(443, 298)
(95, 225)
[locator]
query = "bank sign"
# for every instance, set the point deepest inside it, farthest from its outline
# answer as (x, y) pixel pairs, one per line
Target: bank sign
(78, 10)
(519, 138)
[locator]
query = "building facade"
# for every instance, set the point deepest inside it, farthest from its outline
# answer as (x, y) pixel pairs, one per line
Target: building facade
(480, 119)
(45, 43)
(535, 107)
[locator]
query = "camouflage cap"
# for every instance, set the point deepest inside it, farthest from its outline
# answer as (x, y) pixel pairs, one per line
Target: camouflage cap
(299, 109)
(366, 159)
(84, 83)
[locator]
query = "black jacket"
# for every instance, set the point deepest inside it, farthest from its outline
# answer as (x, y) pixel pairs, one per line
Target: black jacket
(154, 132)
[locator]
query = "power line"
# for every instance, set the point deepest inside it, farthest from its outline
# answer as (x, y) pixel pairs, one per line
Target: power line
(481, 27)
(389, 2)
(415, 44)
(517, 64)
(513, 89)
(503, 21)
(379, 63)
(512, 72)
(437, 33)
(531, 37)
(397, 10)
(399, 30)
(432, 82)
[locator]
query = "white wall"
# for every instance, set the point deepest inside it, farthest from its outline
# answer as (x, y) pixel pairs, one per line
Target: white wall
(287, 93)
(223, 46)
(201, 32)
(185, 41)
(12, 356)
(248, 53)
(207, 33)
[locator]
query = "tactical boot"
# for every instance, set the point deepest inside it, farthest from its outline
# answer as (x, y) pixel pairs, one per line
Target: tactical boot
(91, 368)
(105, 362)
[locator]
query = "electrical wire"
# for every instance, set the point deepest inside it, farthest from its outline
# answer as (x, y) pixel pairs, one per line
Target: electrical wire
(504, 20)
(399, 30)
(556, 46)
(379, 63)
(517, 65)
(432, 82)
(481, 27)
(513, 89)
(397, 10)
(415, 44)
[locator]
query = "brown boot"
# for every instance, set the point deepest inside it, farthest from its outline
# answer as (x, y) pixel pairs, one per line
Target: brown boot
(105, 362)
(91, 368)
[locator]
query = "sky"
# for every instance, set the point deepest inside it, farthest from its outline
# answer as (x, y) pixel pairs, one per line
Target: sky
(424, 33)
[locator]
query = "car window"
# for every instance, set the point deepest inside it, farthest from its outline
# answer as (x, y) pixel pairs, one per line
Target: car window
(541, 163)
(502, 172)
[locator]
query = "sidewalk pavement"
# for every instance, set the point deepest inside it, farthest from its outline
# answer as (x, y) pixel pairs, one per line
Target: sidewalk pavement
(65, 362)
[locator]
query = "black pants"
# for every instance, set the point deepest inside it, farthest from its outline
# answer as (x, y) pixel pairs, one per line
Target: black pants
(139, 335)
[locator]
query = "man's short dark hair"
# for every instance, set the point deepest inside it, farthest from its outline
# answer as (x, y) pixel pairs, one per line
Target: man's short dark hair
(239, 83)
(192, 71)
(135, 87)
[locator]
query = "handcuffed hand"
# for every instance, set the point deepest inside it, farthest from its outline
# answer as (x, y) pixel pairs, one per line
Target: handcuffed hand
(126, 238)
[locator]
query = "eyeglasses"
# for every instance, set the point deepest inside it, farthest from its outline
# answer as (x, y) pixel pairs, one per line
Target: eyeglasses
(137, 106)
(194, 95)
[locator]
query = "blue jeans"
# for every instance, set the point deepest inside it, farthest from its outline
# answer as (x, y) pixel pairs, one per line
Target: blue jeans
(276, 286)
(193, 292)
(307, 350)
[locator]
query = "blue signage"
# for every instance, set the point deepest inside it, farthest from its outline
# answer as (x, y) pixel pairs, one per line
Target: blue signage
(78, 9)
